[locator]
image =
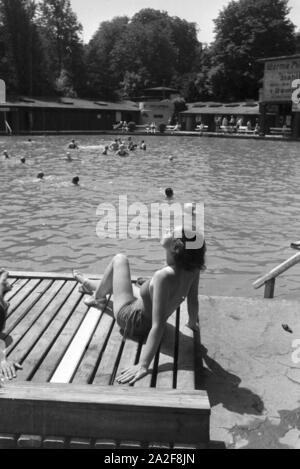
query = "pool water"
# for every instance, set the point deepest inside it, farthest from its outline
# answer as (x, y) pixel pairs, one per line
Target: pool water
(250, 190)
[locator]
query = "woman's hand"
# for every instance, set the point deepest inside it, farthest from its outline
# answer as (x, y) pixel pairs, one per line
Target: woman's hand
(8, 369)
(132, 374)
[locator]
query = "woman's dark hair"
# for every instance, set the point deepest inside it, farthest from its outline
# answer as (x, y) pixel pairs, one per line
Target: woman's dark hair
(188, 259)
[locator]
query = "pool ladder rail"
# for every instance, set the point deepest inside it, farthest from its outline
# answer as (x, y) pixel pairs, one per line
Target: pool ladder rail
(268, 280)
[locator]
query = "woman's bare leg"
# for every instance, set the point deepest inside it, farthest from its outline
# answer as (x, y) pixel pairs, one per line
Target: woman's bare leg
(116, 280)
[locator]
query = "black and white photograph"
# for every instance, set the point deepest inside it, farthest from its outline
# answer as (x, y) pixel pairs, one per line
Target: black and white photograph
(149, 236)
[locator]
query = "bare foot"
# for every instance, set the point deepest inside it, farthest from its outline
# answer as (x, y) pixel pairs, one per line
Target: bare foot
(87, 287)
(98, 303)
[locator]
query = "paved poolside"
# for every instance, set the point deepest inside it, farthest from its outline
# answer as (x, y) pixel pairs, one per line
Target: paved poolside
(252, 383)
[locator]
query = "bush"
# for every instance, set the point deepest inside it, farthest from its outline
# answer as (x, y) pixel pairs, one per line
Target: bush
(162, 128)
(131, 126)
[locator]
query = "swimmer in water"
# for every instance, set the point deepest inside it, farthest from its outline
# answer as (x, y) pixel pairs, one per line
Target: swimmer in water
(114, 146)
(122, 151)
(69, 157)
(131, 145)
(105, 150)
(169, 193)
(171, 158)
(40, 175)
(143, 145)
(75, 181)
(73, 145)
(23, 160)
(6, 155)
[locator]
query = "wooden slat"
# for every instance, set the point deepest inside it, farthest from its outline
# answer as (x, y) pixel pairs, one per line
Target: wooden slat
(30, 441)
(22, 295)
(54, 275)
(106, 368)
(26, 323)
(130, 445)
(74, 353)
(80, 443)
(49, 331)
(186, 356)
(90, 411)
(105, 444)
(17, 286)
(32, 335)
(166, 365)
(54, 442)
(130, 349)
(92, 357)
(158, 445)
(18, 314)
(53, 358)
(8, 441)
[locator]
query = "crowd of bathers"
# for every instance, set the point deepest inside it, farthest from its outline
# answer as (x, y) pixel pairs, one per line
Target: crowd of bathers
(123, 147)
(119, 147)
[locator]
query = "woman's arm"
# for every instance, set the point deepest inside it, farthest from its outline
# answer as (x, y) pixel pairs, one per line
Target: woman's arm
(7, 368)
(159, 319)
(193, 304)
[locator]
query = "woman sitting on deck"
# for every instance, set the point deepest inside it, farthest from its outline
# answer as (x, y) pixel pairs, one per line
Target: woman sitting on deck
(160, 296)
(7, 369)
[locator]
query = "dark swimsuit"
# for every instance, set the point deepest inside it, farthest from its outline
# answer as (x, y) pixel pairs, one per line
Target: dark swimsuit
(132, 317)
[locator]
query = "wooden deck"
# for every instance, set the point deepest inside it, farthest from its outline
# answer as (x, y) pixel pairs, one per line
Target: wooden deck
(71, 356)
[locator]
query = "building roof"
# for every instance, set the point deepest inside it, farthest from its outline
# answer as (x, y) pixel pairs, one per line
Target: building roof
(283, 57)
(72, 103)
(244, 108)
(162, 88)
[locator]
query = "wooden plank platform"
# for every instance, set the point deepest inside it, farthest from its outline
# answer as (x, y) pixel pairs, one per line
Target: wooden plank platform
(66, 394)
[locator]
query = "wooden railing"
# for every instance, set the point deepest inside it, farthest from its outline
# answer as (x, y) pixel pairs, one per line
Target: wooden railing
(269, 279)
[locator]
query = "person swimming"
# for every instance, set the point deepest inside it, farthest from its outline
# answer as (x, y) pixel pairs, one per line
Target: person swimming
(23, 159)
(6, 155)
(75, 181)
(73, 145)
(114, 146)
(122, 151)
(171, 158)
(40, 175)
(143, 145)
(169, 193)
(105, 150)
(131, 145)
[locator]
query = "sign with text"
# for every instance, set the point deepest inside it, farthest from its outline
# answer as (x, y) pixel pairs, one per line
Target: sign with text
(2, 92)
(278, 78)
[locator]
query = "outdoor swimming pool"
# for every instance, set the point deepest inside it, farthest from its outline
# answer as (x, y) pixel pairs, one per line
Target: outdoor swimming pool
(250, 189)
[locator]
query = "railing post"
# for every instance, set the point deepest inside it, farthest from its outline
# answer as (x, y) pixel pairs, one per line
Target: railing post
(269, 288)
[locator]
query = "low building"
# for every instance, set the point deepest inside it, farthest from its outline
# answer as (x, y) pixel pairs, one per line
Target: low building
(276, 105)
(212, 114)
(65, 114)
(156, 105)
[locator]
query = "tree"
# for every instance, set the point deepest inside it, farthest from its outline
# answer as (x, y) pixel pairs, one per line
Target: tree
(102, 81)
(150, 50)
(22, 57)
(61, 35)
(247, 30)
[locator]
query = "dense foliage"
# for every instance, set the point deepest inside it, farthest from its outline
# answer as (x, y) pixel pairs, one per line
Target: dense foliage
(42, 51)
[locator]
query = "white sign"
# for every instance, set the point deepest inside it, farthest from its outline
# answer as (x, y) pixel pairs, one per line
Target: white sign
(278, 78)
(2, 91)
